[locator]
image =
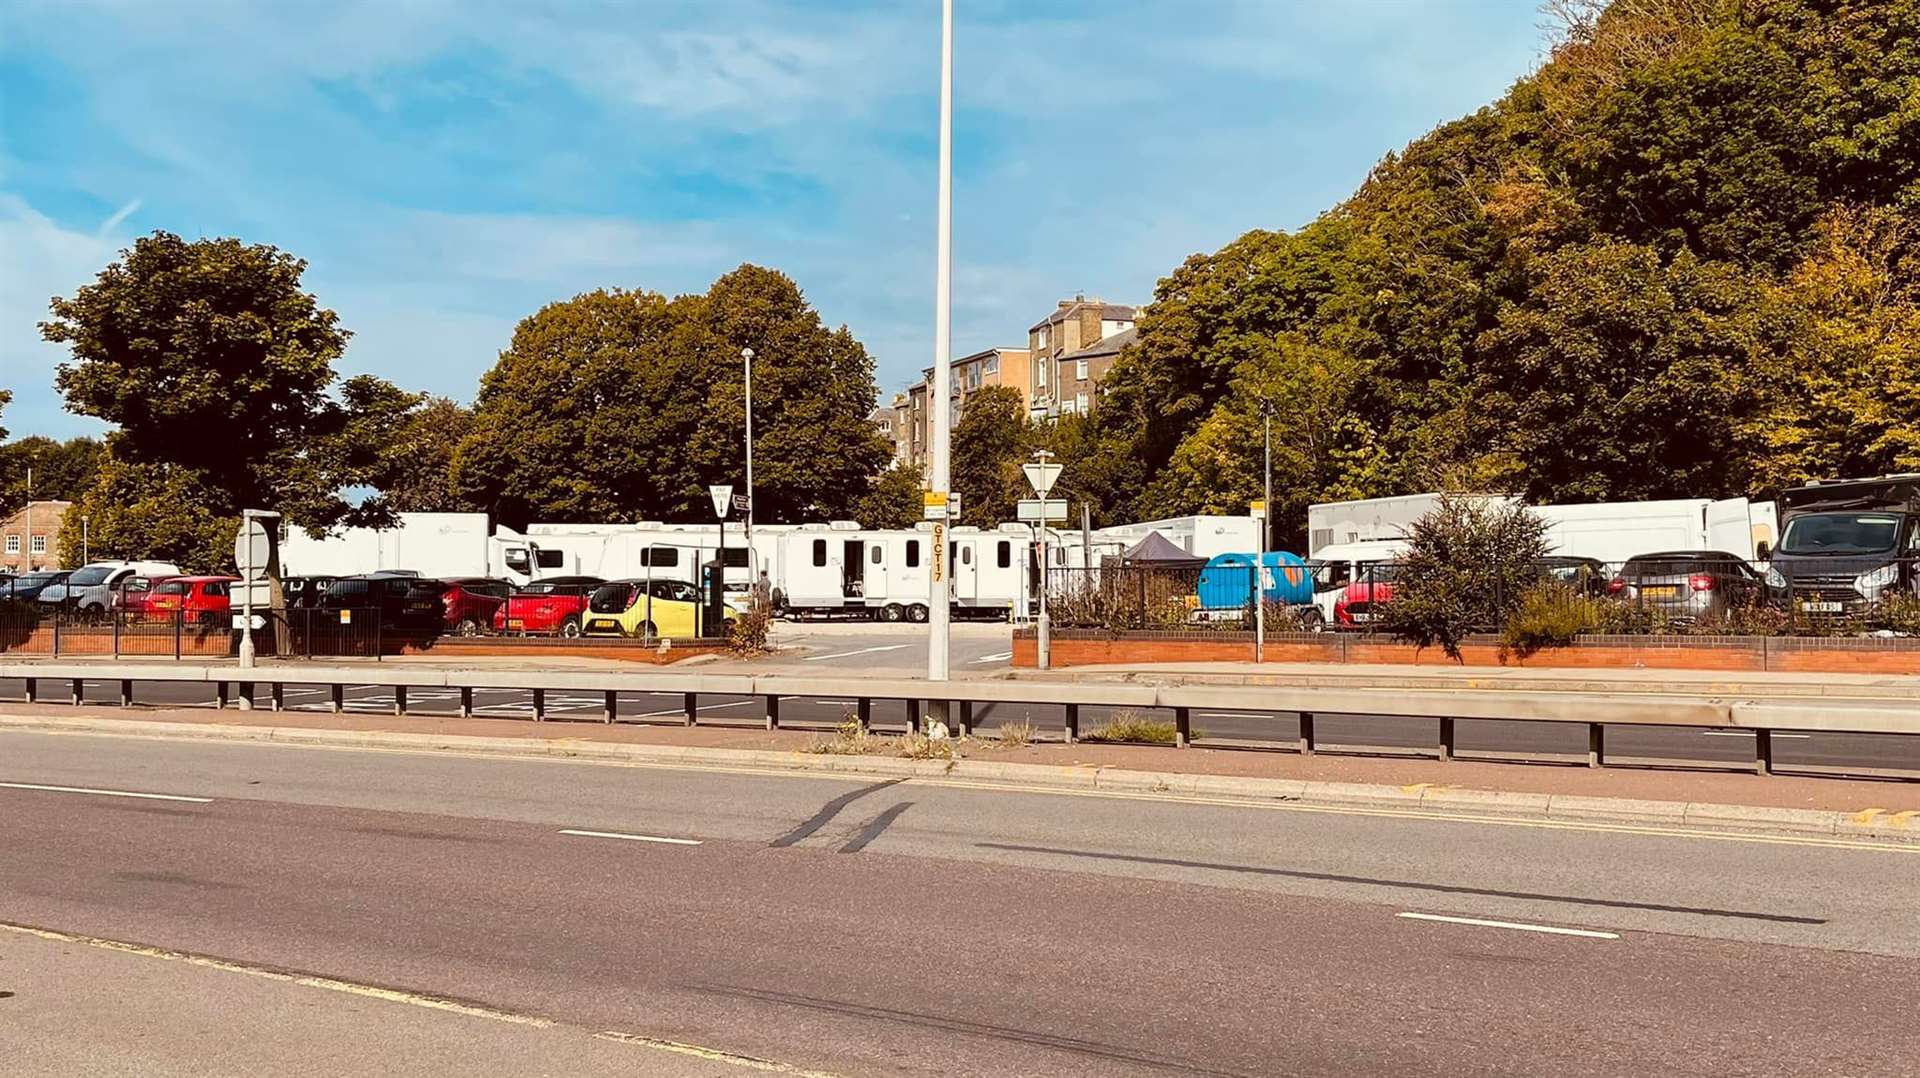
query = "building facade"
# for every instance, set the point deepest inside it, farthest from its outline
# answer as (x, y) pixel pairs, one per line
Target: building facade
(1010, 367)
(1072, 349)
(30, 538)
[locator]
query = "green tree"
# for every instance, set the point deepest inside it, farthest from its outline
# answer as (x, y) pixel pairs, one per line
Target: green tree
(622, 405)
(6, 398)
(893, 500)
(159, 511)
(416, 462)
(61, 470)
(1467, 567)
(990, 443)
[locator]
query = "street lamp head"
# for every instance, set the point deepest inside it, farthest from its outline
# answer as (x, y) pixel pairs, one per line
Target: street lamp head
(746, 354)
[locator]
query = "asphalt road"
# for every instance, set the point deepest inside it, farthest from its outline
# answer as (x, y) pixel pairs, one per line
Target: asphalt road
(926, 927)
(1356, 733)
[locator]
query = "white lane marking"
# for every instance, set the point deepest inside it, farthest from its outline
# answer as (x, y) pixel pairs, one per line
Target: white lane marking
(1476, 922)
(635, 838)
(997, 657)
(702, 707)
(851, 654)
(1749, 733)
(1227, 715)
(105, 793)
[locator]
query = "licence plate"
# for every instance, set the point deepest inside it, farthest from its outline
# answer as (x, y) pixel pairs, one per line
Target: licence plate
(1358, 618)
(516, 623)
(1663, 591)
(1823, 607)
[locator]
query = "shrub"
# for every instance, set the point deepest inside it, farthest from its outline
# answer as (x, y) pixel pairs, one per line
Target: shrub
(1550, 615)
(922, 747)
(1899, 614)
(849, 739)
(1015, 735)
(1467, 565)
(1620, 617)
(1131, 726)
(747, 634)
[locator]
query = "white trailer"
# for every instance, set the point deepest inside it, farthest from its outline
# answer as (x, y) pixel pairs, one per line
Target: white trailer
(1608, 531)
(1202, 536)
(432, 544)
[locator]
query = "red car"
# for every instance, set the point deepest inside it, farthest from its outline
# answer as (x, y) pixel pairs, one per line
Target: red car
(471, 603)
(1360, 604)
(550, 607)
(133, 595)
(199, 600)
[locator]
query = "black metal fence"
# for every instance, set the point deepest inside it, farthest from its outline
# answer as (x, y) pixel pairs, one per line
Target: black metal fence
(1686, 594)
(34, 628)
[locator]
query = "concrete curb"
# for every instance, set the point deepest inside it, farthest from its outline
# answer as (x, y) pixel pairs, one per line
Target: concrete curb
(1572, 682)
(1442, 802)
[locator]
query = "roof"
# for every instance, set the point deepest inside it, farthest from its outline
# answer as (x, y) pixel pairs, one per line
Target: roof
(1119, 312)
(1110, 345)
(1157, 549)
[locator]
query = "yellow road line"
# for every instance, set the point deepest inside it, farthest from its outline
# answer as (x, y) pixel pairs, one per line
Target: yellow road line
(411, 999)
(1865, 816)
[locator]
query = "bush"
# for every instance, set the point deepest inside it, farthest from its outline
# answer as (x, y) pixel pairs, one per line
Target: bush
(1899, 614)
(1550, 615)
(747, 634)
(1131, 726)
(1466, 568)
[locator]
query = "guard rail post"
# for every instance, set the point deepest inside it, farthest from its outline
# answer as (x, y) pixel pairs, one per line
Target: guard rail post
(1446, 738)
(613, 705)
(1305, 743)
(1596, 744)
(466, 701)
(1763, 751)
(966, 719)
(246, 696)
(399, 699)
(1182, 728)
(79, 692)
(1073, 723)
(539, 705)
(277, 698)
(913, 716)
(863, 712)
(220, 696)
(773, 711)
(692, 703)
(33, 690)
(126, 692)
(337, 697)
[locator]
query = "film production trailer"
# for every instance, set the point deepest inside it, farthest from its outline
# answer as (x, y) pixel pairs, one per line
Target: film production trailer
(431, 544)
(835, 571)
(1609, 531)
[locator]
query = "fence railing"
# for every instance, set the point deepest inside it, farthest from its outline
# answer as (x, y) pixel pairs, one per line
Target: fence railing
(59, 630)
(1680, 595)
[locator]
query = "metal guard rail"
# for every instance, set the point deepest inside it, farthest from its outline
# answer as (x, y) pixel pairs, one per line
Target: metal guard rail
(1595, 711)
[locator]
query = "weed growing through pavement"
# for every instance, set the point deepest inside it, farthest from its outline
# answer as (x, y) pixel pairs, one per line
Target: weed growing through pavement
(849, 739)
(1015, 735)
(1131, 726)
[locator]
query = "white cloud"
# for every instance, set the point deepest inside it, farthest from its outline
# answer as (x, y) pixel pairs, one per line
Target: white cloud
(39, 259)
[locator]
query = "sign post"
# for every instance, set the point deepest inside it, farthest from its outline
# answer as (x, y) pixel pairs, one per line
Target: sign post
(252, 554)
(1041, 475)
(722, 494)
(1259, 510)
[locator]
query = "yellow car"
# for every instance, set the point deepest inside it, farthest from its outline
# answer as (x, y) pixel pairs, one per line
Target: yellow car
(646, 609)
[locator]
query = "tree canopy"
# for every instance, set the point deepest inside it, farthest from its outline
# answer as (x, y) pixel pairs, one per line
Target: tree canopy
(1676, 260)
(618, 405)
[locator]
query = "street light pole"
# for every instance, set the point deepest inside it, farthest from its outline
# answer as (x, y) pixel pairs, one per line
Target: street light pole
(85, 550)
(1260, 558)
(746, 359)
(939, 475)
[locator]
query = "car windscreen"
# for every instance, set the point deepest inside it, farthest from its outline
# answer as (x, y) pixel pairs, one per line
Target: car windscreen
(1841, 533)
(1642, 568)
(89, 576)
(34, 580)
(610, 598)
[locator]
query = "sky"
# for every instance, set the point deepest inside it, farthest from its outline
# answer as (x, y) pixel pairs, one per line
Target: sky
(446, 167)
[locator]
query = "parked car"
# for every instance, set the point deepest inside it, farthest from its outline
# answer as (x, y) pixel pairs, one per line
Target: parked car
(1361, 602)
(553, 606)
(403, 604)
(90, 588)
(132, 594)
(640, 608)
(198, 600)
(1689, 584)
(28, 586)
(471, 601)
(1586, 575)
(305, 591)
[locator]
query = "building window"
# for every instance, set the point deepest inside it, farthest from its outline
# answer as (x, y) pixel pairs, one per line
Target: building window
(1041, 374)
(993, 364)
(1080, 403)
(13, 544)
(39, 544)
(1080, 369)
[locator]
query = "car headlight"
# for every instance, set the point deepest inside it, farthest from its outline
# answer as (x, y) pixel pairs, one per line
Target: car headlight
(1774, 579)
(1868, 583)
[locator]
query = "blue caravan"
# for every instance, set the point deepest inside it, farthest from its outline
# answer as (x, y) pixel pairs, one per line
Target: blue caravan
(1225, 588)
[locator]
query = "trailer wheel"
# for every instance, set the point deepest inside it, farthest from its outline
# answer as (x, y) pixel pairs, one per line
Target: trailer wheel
(1312, 621)
(917, 613)
(891, 612)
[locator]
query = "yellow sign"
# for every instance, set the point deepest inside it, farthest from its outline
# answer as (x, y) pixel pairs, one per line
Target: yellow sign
(1258, 509)
(938, 566)
(346, 617)
(936, 506)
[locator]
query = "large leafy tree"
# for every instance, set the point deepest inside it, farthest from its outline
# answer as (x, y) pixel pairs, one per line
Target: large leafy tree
(60, 470)
(627, 405)
(215, 366)
(893, 500)
(990, 443)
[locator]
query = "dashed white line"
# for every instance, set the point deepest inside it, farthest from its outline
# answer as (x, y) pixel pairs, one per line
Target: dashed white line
(851, 654)
(1749, 733)
(702, 707)
(105, 793)
(997, 657)
(634, 838)
(1551, 930)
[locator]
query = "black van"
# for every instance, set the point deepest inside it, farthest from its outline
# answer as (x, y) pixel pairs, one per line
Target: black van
(405, 603)
(1845, 545)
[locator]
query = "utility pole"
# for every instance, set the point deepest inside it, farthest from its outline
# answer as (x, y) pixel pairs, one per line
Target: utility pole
(746, 359)
(1260, 558)
(939, 463)
(26, 552)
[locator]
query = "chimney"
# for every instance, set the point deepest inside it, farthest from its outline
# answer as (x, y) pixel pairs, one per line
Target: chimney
(1064, 304)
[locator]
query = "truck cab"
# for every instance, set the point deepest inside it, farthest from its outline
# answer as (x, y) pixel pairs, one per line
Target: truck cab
(1846, 545)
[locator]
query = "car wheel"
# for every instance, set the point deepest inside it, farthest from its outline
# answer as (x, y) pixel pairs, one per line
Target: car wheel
(570, 628)
(891, 612)
(467, 627)
(648, 630)
(917, 613)
(1312, 621)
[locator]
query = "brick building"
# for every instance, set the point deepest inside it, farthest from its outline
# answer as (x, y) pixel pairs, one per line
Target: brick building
(970, 374)
(30, 538)
(1072, 349)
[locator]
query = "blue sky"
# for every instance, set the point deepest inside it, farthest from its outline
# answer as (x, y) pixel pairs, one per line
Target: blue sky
(447, 167)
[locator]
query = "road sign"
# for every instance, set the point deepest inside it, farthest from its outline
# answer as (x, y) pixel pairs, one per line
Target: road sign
(252, 550)
(240, 593)
(1041, 476)
(742, 503)
(936, 504)
(1041, 511)
(241, 621)
(1257, 510)
(721, 492)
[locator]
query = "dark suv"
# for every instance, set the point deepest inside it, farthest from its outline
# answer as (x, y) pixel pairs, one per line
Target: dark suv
(1687, 585)
(404, 604)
